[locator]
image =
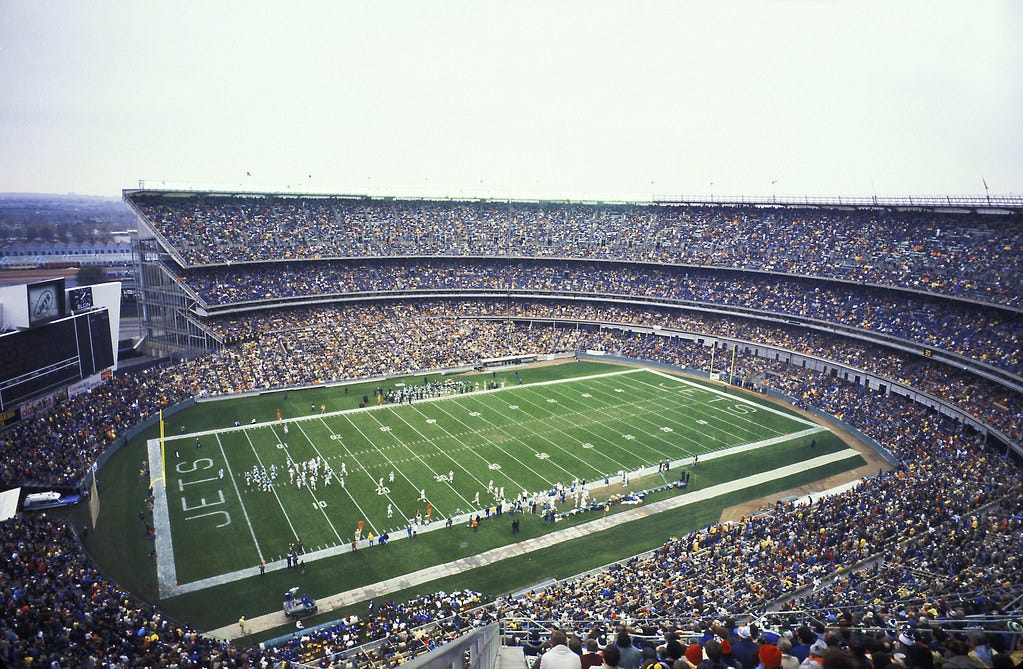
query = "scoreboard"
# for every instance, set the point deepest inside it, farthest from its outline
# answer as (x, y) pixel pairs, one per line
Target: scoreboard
(53, 355)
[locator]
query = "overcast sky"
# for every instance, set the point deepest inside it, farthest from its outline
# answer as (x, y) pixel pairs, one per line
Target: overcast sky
(583, 98)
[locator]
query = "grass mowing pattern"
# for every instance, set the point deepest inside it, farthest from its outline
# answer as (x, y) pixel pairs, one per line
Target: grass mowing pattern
(434, 459)
(642, 409)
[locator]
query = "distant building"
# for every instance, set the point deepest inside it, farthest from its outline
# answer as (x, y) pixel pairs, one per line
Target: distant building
(116, 253)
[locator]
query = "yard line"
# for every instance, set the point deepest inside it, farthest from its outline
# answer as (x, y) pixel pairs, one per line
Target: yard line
(468, 447)
(699, 409)
(650, 406)
(642, 406)
(341, 412)
(276, 496)
(416, 456)
(567, 418)
(307, 487)
(234, 483)
(539, 435)
(725, 397)
(690, 411)
(440, 451)
(638, 409)
(505, 452)
(337, 476)
(765, 407)
(586, 415)
(365, 515)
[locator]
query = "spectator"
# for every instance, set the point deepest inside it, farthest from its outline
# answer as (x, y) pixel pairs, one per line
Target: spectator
(559, 656)
(815, 656)
(612, 656)
(591, 657)
(789, 661)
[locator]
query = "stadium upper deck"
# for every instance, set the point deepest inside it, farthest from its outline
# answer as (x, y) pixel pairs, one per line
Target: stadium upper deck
(955, 252)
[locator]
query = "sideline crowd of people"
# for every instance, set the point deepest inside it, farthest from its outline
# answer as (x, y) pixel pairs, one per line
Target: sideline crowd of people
(942, 528)
(300, 346)
(740, 642)
(985, 334)
(947, 486)
(391, 633)
(965, 255)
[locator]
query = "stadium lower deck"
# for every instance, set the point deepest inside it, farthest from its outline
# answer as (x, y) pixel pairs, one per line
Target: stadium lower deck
(935, 538)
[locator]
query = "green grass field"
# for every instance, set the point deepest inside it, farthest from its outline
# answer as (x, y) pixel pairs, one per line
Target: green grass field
(573, 422)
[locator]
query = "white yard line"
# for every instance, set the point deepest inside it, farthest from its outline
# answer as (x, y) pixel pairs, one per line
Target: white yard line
(440, 452)
(326, 604)
(166, 570)
(241, 502)
(638, 414)
(564, 399)
(276, 496)
(457, 438)
(312, 493)
(490, 426)
(715, 413)
(358, 506)
(412, 452)
(540, 434)
(737, 398)
(166, 573)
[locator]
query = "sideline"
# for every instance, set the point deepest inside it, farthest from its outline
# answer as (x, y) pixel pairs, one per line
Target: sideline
(169, 587)
(167, 578)
(276, 619)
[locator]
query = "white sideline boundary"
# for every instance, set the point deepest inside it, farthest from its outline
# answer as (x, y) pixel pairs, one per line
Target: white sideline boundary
(737, 398)
(379, 407)
(326, 604)
(165, 561)
(166, 571)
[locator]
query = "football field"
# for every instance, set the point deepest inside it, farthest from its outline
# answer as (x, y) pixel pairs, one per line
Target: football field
(227, 500)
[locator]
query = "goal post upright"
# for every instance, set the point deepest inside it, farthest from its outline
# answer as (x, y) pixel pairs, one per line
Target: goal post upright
(163, 457)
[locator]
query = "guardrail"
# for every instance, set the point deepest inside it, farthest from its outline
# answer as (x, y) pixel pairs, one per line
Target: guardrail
(477, 195)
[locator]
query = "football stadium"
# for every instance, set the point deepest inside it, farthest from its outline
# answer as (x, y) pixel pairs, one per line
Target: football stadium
(456, 432)
(490, 334)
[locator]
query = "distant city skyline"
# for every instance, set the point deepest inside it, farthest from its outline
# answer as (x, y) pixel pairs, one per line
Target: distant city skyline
(573, 99)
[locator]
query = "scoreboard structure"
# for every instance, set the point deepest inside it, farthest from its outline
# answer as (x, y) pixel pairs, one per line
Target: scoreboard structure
(54, 338)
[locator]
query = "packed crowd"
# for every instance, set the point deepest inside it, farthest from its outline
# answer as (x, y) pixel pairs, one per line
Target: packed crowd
(989, 335)
(58, 446)
(57, 610)
(946, 478)
(307, 345)
(392, 633)
(949, 253)
(741, 643)
(942, 526)
(318, 345)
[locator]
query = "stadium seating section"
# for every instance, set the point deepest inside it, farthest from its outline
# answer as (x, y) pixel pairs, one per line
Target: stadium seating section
(937, 537)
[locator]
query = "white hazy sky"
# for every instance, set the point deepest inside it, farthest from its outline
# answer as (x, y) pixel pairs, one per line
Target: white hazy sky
(578, 98)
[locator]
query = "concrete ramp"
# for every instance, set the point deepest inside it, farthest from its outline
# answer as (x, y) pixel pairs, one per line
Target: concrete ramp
(511, 657)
